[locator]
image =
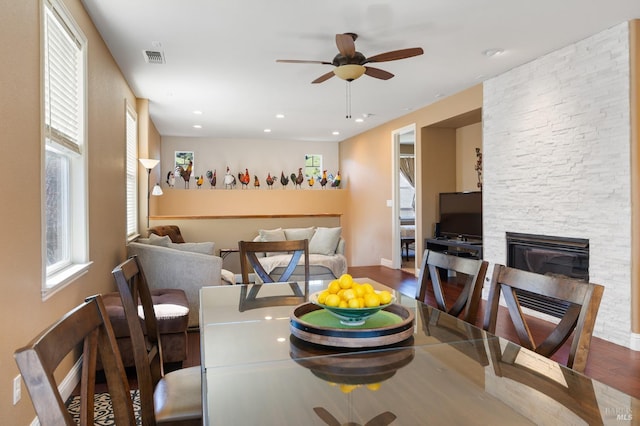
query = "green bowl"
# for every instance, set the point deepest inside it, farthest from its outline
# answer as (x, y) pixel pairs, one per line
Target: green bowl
(349, 316)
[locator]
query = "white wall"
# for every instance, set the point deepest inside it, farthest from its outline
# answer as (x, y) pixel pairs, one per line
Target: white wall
(556, 144)
(258, 155)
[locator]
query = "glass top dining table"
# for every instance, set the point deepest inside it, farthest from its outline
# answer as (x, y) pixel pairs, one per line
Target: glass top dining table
(256, 371)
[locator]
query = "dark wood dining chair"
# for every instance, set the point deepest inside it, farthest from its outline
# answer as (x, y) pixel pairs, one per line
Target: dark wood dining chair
(250, 263)
(172, 398)
(472, 271)
(582, 301)
(87, 324)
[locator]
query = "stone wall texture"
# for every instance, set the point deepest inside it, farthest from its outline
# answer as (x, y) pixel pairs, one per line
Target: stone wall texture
(556, 145)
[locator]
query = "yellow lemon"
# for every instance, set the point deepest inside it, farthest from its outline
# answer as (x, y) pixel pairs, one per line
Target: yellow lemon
(358, 289)
(385, 297)
(371, 300)
(347, 388)
(323, 296)
(334, 287)
(348, 294)
(373, 386)
(332, 300)
(360, 302)
(345, 281)
(368, 288)
(343, 304)
(353, 303)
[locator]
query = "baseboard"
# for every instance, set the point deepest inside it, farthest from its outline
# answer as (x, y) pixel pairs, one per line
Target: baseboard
(386, 262)
(634, 343)
(71, 380)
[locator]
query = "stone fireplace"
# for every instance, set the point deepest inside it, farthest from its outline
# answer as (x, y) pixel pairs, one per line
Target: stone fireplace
(556, 161)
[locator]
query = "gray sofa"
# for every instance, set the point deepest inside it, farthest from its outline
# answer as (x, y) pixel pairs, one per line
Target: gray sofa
(326, 252)
(186, 266)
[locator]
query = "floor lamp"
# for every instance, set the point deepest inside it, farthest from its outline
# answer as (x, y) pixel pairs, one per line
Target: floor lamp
(149, 164)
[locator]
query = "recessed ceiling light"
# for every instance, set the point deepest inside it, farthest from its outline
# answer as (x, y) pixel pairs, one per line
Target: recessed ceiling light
(267, 130)
(279, 115)
(359, 120)
(493, 52)
(197, 126)
(197, 112)
(335, 133)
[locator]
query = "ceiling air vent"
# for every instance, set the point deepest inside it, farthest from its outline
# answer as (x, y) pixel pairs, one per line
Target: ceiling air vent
(153, 57)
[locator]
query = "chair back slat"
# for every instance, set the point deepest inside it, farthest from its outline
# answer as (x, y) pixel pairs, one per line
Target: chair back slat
(87, 324)
(583, 302)
(466, 304)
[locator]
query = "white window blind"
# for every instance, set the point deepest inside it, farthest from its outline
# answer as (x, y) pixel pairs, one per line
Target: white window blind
(63, 83)
(132, 172)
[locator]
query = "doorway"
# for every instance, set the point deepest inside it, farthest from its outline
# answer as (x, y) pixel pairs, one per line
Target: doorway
(404, 199)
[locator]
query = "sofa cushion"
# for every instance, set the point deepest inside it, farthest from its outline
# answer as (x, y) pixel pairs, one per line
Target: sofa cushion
(336, 264)
(159, 241)
(170, 305)
(204, 248)
(299, 233)
(272, 234)
(325, 241)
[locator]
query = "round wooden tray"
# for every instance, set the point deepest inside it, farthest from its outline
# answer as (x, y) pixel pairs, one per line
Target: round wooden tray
(352, 337)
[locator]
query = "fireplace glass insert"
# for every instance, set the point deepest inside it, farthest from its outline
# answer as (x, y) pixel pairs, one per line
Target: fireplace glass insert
(547, 255)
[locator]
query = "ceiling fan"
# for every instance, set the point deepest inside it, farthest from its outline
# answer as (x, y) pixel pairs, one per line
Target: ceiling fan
(350, 64)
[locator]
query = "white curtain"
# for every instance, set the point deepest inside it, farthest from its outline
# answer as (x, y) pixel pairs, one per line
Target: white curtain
(407, 168)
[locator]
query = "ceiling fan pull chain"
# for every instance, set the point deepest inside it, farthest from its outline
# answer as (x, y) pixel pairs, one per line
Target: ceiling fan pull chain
(348, 100)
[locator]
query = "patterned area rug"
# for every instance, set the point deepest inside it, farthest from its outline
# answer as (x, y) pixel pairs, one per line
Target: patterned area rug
(103, 410)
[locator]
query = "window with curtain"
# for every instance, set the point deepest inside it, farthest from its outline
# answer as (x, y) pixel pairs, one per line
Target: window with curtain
(132, 172)
(65, 170)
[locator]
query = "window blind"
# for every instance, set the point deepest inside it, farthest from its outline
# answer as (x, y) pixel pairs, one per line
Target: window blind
(132, 173)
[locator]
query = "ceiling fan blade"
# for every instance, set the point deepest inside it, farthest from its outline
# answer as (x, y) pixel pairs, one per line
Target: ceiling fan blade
(383, 419)
(345, 44)
(326, 416)
(323, 77)
(396, 54)
(378, 73)
(299, 61)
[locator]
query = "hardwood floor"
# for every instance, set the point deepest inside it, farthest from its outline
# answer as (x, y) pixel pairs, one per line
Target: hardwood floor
(608, 363)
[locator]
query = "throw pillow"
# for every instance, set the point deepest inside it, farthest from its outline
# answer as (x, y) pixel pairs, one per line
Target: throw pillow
(299, 233)
(203, 248)
(272, 234)
(159, 241)
(325, 241)
(142, 240)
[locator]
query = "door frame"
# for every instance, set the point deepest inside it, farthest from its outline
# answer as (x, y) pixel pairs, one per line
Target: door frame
(396, 252)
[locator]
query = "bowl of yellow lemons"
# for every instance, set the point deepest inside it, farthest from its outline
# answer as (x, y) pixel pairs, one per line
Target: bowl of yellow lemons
(350, 301)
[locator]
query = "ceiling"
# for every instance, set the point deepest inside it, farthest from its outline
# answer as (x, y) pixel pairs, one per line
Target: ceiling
(220, 56)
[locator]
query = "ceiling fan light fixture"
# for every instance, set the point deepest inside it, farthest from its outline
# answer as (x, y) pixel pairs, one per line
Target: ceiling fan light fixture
(349, 72)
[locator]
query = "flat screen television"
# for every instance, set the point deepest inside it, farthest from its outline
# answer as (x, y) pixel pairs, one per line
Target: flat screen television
(461, 215)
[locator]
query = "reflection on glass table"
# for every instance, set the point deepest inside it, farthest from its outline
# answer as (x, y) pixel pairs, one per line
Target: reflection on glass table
(446, 372)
